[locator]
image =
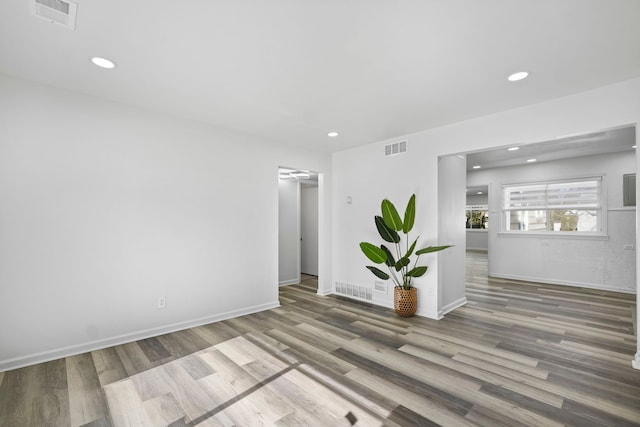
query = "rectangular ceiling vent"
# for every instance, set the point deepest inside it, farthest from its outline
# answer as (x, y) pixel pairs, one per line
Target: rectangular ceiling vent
(395, 148)
(58, 12)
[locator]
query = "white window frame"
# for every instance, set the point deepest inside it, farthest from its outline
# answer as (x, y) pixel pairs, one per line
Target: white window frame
(478, 208)
(601, 207)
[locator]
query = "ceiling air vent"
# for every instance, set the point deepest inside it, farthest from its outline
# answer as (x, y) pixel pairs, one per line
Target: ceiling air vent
(55, 11)
(395, 148)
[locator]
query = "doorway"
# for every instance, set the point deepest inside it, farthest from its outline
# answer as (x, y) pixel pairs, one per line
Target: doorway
(543, 248)
(298, 216)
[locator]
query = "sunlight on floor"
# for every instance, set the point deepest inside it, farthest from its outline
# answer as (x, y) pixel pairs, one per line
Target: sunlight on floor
(237, 382)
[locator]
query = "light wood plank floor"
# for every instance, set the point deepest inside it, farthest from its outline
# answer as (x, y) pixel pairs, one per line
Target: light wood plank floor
(519, 354)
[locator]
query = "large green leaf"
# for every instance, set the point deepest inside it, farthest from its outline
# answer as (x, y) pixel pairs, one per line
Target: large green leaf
(409, 215)
(390, 215)
(402, 262)
(390, 260)
(386, 233)
(432, 249)
(373, 252)
(379, 273)
(411, 248)
(417, 272)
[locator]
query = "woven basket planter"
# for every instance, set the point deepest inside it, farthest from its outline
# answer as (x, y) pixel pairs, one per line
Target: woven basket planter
(405, 301)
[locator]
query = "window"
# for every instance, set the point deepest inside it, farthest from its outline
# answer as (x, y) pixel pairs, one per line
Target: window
(477, 216)
(573, 206)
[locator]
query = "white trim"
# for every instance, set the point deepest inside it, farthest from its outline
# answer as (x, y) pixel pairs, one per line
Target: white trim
(452, 306)
(429, 314)
(553, 235)
(563, 283)
(635, 363)
(325, 292)
(289, 282)
(46, 356)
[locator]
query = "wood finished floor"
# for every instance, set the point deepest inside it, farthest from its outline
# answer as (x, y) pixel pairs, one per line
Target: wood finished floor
(518, 354)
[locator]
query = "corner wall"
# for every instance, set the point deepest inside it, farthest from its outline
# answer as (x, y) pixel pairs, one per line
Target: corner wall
(452, 177)
(105, 208)
(288, 232)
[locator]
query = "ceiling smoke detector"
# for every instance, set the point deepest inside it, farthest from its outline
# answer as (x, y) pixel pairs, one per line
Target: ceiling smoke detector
(60, 12)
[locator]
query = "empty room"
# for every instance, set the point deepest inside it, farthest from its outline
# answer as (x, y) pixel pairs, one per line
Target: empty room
(319, 213)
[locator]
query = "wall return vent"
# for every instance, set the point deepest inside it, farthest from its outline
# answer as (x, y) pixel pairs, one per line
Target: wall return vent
(395, 148)
(60, 12)
(354, 291)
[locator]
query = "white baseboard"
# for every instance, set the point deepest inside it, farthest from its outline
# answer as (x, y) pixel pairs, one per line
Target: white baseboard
(46, 356)
(429, 314)
(452, 306)
(325, 292)
(563, 282)
(388, 303)
(289, 282)
(635, 363)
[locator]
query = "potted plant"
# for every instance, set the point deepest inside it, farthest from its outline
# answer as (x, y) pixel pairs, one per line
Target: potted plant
(398, 259)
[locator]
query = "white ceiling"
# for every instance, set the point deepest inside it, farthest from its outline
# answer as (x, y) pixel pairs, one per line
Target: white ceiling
(593, 144)
(293, 70)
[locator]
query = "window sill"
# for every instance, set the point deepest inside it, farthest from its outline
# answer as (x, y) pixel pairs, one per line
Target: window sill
(476, 230)
(552, 235)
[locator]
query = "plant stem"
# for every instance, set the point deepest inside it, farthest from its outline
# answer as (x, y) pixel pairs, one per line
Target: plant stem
(406, 267)
(393, 275)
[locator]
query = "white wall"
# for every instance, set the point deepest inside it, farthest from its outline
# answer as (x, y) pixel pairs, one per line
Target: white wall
(589, 262)
(309, 230)
(477, 240)
(477, 199)
(365, 174)
(288, 232)
(451, 231)
(104, 208)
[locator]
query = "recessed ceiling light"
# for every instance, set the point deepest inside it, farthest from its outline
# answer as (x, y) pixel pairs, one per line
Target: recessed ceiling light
(531, 160)
(300, 174)
(479, 192)
(103, 62)
(518, 76)
(332, 134)
(633, 146)
(477, 167)
(513, 148)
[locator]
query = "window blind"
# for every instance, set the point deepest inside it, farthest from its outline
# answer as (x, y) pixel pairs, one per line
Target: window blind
(577, 194)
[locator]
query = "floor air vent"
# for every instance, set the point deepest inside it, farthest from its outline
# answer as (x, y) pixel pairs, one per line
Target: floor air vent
(59, 12)
(354, 291)
(395, 148)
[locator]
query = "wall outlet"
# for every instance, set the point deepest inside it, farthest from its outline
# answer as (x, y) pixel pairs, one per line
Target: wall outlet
(628, 247)
(162, 302)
